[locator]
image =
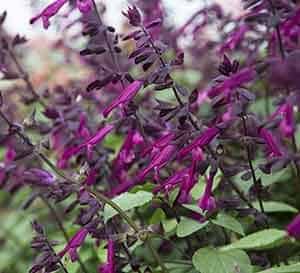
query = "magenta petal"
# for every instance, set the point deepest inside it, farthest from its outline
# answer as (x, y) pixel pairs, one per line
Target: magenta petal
(236, 80)
(109, 266)
(207, 201)
(99, 136)
(204, 139)
(293, 229)
(76, 241)
(272, 146)
(159, 160)
(84, 6)
(125, 97)
(49, 12)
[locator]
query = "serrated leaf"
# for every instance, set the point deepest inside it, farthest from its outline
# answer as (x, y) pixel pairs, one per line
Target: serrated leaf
(210, 260)
(187, 226)
(261, 240)
(127, 201)
(273, 206)
(293, 268)
(229, 222)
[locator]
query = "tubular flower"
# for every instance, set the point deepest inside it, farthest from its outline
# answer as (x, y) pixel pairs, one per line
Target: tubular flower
(109, 266)
(91, 177)
(39, 177)
(204, 139)
(88, 144)
(172, 181)
(76, 241)
(125, 97)
(293, 229)
(159, 143)
(234, 39)
(52, 9)
(290, 28)
(235, 80)
(185, 179)
(159, 160)
(207, 201)
(9, 156)
(84, 6)
(272, 146)
(126, 155)
(287, 124)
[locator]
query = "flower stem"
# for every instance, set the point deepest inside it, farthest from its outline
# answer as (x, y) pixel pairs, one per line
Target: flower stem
(62, 228)
(97, 195)
(256, 182)
(156, 256)
(24, 76)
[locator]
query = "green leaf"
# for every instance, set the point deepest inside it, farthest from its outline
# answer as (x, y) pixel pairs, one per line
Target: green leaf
(267, 179)
(187, 226)
(169, 224)
(293, 268)
(173, 196)
(273, 206)
(210, 260)
(157, 216)
(229, 222)
(113, 141)
(198, 190)
(261, 240)
(127, 201)
(193, 207)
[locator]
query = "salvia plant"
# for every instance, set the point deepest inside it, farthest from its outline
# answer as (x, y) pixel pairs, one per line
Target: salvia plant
(178, 150)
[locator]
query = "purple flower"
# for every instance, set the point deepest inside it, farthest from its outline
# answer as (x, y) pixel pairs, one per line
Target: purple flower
(204, 139)
(293, 229)
(109, 266)
(235, 80)
(125, 97)
(272, 146)
(9, 156)
(83, 131)
(76, 241)
(88, 144)
(52, 9)
(134, 16)
(126, 155)
(39, 177)
(290, 27)
(160, 143)
(287, 124)
(159, 160)
(84, 6)
(91, 177)
(207, 201)
(185, 178)
(49, 12)
(234, 38)
(172, 181)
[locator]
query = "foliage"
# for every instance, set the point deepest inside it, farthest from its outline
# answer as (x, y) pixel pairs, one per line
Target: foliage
(170, 150)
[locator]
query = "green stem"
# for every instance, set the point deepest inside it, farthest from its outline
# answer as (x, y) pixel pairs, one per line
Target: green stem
(156, 256)
(62, 228)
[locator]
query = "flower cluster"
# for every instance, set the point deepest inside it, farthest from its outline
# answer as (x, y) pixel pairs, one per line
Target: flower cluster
(178, 135)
